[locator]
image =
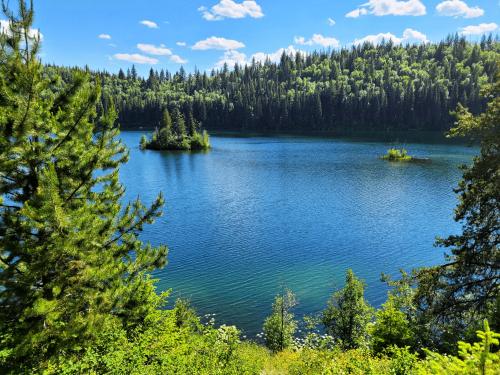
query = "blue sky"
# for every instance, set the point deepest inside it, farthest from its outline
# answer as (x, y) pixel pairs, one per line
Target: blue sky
(112, 34)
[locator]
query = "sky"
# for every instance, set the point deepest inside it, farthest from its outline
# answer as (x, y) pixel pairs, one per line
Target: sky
(203, 34)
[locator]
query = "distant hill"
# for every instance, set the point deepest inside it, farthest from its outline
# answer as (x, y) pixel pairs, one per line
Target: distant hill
(365, 88)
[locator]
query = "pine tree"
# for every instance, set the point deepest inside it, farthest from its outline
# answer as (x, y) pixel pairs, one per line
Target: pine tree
(467, 287)
(70, 258)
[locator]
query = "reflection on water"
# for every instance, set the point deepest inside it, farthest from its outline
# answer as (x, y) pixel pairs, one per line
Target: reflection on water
(254, 214)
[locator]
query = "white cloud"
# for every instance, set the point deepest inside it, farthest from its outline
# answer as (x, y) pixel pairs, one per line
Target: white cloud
(377, 39)
(414, 36)
(409, 36)
(177, 59)
(318, 39)
(181, 44)
(482, 28)
(458, 8)
(104, 36)
(389, 7)
(151, 49)
(236, 57)
(136, 58)
(331, 21)
(150, 24)
(232, 9)
(231, 58)
(33, 33)
(217, 43)
(356, 13)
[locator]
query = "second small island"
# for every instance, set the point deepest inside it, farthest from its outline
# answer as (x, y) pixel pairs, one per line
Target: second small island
(173, 135)
(396, 154)
(401, 155)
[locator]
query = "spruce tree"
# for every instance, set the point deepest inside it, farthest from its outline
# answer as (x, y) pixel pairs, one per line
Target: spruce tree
(70, 258)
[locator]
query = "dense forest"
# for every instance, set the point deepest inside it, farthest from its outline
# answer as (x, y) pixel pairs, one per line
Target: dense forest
(76, 293)
(364, 88)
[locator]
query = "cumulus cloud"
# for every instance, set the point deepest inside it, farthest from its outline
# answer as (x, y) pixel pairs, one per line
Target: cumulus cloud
(217, 43)
(409, 36)
(33, 33)
(135, 58)
(181, 44)
(150, 24)
(236, 57)
(331, 21)
(389, 7)
(151, 49)
(317, 39)
(232, 9)
(232, 58)
(482, 28)
(177, 59)
(356, 13)
(458, 8)
(104, 36)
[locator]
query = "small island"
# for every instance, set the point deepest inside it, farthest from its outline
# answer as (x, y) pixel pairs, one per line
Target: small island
(396, 154)
(173, 134)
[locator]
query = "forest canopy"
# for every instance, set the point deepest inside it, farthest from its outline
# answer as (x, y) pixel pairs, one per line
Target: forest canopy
(363, 88)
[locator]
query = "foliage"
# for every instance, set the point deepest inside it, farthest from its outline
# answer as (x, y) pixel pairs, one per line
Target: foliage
(164, 347)
(347, 315)
(467, 287)
(473, 359)
(71, 262)
(280, 326)
(394, 154)
(391, 328)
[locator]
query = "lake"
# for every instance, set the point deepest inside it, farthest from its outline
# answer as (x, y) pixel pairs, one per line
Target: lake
(255, 215)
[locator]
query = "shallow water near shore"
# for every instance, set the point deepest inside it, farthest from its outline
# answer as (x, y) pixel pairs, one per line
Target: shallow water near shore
(257, 214)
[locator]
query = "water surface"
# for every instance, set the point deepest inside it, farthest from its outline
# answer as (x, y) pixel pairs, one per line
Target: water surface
(256, 214)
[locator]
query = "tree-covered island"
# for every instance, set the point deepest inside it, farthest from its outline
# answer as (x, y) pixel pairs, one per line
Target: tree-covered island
(172, 135)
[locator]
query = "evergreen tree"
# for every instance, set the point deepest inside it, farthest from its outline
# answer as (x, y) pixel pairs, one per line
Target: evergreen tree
(180, 124)
(467, 287)
(166, 129)
(70, 258)
(347, 315)
(133, 73)
(280, 326)
(192, 124)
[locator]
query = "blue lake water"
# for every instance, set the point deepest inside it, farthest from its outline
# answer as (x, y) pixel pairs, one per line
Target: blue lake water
(255, 215)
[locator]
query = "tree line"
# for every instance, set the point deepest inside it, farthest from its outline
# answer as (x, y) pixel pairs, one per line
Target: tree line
(363, 88)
